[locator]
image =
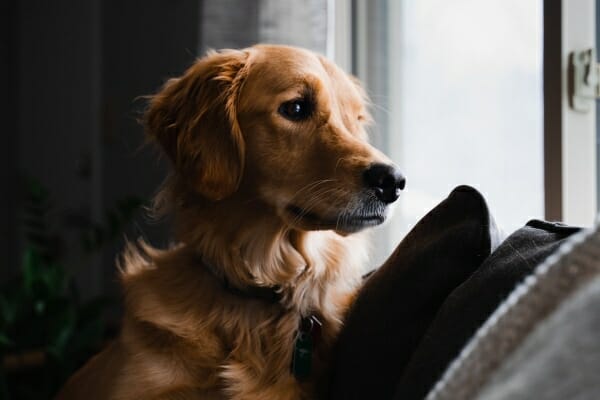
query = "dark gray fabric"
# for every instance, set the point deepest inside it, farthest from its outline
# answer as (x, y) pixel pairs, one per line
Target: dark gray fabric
(471, 303)
(542, 342)
(398, 302)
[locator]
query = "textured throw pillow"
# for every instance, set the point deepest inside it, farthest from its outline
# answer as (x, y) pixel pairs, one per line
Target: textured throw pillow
(397, 304)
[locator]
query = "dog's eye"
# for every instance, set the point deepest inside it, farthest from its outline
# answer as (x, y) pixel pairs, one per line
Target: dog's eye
(296, 110)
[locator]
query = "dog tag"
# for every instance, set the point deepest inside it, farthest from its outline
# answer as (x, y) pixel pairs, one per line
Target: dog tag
(309, 334)
(302, 356)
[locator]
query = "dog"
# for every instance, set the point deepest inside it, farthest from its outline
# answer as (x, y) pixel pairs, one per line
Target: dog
(273, 183)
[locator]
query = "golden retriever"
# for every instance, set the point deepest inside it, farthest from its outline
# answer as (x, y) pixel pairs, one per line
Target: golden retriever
(272, 181)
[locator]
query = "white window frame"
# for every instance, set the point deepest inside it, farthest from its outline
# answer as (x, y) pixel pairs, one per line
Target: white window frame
(577, 196)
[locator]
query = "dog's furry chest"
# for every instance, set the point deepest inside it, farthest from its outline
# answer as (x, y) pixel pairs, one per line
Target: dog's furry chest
(184, 330)
(260, 359)
(247, 354)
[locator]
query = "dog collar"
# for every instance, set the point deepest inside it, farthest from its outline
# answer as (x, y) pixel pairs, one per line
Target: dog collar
(269, 294)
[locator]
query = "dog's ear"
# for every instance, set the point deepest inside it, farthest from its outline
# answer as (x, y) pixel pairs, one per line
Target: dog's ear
(194, 119)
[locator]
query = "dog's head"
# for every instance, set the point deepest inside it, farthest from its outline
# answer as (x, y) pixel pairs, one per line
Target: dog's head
(280, 124)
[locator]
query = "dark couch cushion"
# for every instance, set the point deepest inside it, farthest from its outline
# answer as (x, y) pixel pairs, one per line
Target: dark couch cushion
(471, 303)
(399, 301)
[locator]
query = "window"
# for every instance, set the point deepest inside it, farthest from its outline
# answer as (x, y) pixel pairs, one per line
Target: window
(458, 89)
(466, 104)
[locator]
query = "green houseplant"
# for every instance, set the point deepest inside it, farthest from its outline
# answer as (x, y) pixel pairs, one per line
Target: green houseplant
(47, 330)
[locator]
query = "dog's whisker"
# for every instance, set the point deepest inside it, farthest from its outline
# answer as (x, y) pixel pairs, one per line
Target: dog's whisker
(334, 193)
(344, 215)
(312, 186)
(337, 164)
(316, 199)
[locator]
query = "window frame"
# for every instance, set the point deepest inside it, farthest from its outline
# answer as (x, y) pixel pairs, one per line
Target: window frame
(570, 159)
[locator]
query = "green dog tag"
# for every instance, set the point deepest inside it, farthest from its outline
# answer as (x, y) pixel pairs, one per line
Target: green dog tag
(302, 356)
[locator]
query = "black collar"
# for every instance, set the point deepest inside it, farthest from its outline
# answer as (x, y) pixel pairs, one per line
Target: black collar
(270, 294)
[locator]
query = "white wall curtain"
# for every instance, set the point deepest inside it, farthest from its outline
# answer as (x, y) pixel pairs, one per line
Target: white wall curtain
(241, 23)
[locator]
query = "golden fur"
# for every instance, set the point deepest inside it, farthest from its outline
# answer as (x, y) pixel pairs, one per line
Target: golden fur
(268, 202)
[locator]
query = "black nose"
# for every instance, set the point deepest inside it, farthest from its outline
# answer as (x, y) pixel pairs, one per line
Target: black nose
(385, 180)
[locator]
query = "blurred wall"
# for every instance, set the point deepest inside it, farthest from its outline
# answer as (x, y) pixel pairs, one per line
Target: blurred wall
(9, 134)
(73, 70)
(143, 44)
(57, 118)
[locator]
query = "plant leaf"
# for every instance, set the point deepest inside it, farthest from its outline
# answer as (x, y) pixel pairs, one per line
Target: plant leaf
(31, 267)
(5, 340)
